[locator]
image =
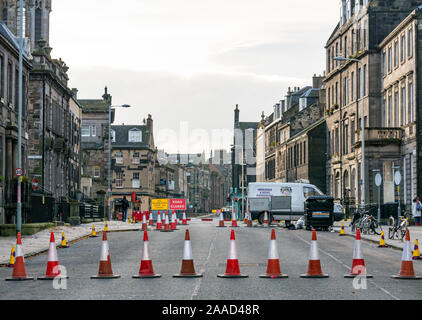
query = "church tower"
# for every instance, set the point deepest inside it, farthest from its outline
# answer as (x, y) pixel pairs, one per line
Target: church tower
(36, 19)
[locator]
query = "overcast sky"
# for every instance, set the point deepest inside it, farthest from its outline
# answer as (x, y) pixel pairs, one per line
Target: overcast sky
(191, 60)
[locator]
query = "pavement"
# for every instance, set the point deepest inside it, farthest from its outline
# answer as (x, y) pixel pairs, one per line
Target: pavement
(40, 242)
(415, 233)
(209, 248)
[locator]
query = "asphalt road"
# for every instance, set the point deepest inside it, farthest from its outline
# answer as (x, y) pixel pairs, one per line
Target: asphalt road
(210, 248)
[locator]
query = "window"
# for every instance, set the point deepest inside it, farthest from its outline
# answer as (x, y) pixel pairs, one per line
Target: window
(93, 130)
(1, 77)
(9, 83)
(1, 153)
(119, 158)
(135, 180)
(410, 43)
(358, 81)
(352, 133)
(310, 192)
(352, 89)
(396, 54)
(365, 32)
(403, 106)
(113, 135)
(304, 152)
(390, 59)
(410, 112)
(96, 171)
(390, 111)
(345, 47)
(403, 48)
(364, 80)
(329, 99)
(119, 180)
(85, 130)
(38, 24)
(135, 158)
(329, 60)
(135, 135)
(396, 109)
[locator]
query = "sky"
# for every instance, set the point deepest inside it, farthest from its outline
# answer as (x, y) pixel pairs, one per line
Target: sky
(189, 62)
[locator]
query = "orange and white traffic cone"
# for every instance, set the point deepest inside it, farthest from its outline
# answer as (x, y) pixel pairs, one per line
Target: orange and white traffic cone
(173, 221)
(151, 220)
(273, 266)
(406, 270)
(314, 268)
(167, 225)
(105, 271)
(146, 270)
(159, 224)
(144, 222)
(232, 268)
(53, 269)
(221, 223)
(175, 218)
(19, 270)
(266, 224)
(249, 219)
(234, 222)
(184, 221)
(358, 264)
(188, 269)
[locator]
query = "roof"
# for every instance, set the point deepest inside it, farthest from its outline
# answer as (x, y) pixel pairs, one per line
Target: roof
(311, 93)
(94, 104)
(248, 125)
(14, 41)
(122, 137)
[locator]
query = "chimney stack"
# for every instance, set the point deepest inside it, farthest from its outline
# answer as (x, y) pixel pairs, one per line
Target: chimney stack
(150, 124)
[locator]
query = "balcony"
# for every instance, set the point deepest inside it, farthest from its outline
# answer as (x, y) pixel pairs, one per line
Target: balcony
(379, 136)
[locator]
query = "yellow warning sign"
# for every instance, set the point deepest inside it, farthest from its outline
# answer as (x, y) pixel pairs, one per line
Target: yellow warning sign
(159, 204)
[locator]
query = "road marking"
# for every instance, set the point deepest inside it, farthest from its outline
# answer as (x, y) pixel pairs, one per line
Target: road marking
(199, 280)
(347, 267)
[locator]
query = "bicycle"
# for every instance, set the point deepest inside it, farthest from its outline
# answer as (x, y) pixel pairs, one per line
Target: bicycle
(397, 229)
(366, 222)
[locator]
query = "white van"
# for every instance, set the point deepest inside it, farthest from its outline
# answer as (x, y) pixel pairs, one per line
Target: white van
(260, 195)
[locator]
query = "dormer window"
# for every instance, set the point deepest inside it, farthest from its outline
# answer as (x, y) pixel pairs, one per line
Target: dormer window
(135, 135)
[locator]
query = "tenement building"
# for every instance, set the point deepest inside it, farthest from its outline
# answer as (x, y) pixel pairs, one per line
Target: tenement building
(363, 27)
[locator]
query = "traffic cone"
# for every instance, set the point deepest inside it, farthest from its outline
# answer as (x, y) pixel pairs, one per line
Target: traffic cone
(151, 220)
(382, 241)
(342, 233)
(105, 271)
(159, 224)
(221, 223)
(416, 253)
(314, 267)
(358, 264)
(144, 222)
(175, 218)
(173, 222)
(234, 222)
(12, 258)
(249, 221)
(167, 225)
(232, 268)
(146, 270)
(106, 227)
(19, 271)
(266, 224)
(184, 221)
(406, 270)
(53, 269)
(273, 266)
(64, 243)
(129, 220)
(93, 233)
(188, 269)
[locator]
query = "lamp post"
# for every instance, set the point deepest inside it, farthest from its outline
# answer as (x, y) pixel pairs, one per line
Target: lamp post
(19, 204)
(361, 84)
(109, 157)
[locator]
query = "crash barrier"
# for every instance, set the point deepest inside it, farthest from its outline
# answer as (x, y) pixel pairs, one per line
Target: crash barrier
(232, 268)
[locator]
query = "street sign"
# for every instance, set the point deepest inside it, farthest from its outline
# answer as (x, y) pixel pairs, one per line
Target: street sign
(35, 184)
(378, 179)
(177, 204)
(397, 178)
(19, 172)
(159, 204)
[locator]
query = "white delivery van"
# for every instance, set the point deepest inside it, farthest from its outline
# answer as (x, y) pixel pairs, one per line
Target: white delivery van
(284, 201)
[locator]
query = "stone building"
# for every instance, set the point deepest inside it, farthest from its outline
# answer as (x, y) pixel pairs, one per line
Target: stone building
(94, 137)
(363, 26)
(9, 60)
(134, 157)
(36, 19)
(52, 144)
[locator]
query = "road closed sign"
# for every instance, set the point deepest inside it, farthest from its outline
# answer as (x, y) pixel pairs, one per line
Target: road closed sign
(159, 204)
(177, 204)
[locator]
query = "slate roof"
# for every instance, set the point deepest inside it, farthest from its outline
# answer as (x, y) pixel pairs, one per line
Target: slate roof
(122, 137)
(13, 41)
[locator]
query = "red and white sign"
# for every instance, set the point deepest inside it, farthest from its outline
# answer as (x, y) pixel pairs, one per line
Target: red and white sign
(177, 204)
(35, 184)
(19, 172)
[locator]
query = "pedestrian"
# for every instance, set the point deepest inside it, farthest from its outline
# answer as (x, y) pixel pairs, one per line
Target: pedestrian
(417, 210)
(125, 206)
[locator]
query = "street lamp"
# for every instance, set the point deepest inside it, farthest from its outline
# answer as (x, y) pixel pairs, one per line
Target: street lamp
(362, 127)
(109, 156)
